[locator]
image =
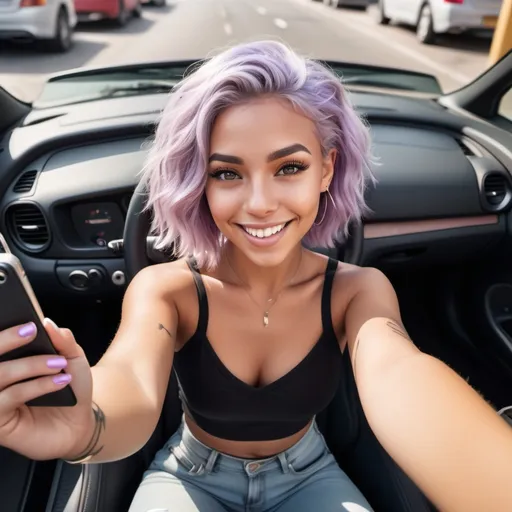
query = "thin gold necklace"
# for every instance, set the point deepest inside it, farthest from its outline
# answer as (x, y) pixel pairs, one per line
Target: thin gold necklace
(270, 301)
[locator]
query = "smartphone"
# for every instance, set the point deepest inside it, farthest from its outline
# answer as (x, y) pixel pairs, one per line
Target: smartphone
(18, 305)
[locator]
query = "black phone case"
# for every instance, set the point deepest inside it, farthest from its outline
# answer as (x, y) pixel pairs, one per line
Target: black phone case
(17, 308)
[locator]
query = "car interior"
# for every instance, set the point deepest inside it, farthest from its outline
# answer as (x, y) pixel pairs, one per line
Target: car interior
(440, 228)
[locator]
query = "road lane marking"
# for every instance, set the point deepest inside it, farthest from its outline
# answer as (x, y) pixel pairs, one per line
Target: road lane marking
(261, 10)
(278, 22)
(228, 29)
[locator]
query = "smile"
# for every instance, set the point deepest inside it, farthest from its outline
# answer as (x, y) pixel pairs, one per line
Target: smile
(265, 236)
(265, 233)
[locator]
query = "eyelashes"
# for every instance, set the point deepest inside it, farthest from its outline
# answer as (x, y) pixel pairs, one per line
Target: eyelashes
(295, 166)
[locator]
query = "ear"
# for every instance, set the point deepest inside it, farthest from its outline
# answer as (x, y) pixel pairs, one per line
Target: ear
(328, 169)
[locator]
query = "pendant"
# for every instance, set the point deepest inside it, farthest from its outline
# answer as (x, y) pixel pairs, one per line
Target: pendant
(265, 319)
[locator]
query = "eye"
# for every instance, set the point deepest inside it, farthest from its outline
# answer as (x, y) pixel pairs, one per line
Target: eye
(291, 168)
(224, 175)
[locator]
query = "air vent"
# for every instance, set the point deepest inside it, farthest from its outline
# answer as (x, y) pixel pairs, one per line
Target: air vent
(28, 226)
(495, 188)
(465, 149)
(25, 182)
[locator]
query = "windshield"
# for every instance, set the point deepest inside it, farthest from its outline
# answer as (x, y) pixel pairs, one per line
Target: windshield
(160, 78)
(150, 47)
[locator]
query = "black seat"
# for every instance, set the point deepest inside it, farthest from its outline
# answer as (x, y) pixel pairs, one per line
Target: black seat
(110, 487)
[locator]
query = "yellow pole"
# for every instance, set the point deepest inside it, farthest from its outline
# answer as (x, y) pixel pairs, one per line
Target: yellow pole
(502, 40)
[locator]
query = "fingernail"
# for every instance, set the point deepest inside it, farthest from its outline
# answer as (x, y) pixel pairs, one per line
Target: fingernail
(64, 378)
(27, 330)
(57, 362)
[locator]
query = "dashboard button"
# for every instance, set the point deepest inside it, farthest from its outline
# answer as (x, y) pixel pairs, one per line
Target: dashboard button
(79, 279)
(95, 276)
(118, 278)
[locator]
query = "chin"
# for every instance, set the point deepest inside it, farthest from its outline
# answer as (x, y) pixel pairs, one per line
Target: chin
(267, 259)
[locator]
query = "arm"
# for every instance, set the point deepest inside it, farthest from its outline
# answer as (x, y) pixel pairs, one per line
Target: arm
(131, 379)
(436, 427)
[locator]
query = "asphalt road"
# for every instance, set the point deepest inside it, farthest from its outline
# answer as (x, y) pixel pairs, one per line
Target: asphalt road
(198, 28)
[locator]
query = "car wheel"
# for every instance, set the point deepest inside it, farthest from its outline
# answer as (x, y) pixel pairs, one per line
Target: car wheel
(381, 17)
(137, 11)
(122, 16)
(425, 28)
(63, 33)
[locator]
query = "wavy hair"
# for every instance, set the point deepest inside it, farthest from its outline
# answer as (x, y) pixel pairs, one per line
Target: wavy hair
(175, 171)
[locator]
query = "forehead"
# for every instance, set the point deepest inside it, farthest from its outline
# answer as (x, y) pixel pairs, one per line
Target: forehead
(261, 126)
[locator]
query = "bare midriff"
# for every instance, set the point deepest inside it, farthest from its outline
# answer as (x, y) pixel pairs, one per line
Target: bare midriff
(245, 449)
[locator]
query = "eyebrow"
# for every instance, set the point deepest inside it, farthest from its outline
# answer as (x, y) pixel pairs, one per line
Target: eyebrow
(280, 153)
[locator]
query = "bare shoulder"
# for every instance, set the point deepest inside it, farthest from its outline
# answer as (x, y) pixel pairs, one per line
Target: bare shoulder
(164, 280)
(352, 280)
(359, 294)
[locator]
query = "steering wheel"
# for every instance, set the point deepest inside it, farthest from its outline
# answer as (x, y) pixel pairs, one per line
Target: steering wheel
(139, 251)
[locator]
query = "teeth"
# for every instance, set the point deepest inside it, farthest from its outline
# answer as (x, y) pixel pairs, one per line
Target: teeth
(264, 233)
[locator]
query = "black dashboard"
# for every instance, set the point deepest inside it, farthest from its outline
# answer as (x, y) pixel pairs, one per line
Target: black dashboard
(444, 189)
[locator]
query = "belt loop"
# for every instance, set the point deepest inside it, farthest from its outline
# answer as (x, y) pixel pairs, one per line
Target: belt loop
(284, 462)
(212, 458)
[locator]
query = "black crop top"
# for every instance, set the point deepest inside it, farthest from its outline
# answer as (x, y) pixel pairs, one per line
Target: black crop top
(226, 407)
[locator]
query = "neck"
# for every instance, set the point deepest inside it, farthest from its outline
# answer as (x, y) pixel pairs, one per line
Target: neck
(264, 282)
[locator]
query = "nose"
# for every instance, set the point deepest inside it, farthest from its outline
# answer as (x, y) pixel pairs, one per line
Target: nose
(261, 199)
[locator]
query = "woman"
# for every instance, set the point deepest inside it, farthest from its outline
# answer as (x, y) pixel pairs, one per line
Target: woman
(257, 152)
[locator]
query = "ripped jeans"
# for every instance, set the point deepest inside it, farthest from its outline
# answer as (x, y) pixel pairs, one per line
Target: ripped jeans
(187, 476)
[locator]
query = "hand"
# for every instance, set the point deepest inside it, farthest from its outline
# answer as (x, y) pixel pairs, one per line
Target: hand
(43, 433)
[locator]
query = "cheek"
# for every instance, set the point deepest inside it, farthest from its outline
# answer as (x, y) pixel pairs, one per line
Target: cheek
(303, 196)
(222, 203)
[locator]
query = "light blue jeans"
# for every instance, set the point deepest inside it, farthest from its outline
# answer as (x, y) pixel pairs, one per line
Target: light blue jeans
(187, 476)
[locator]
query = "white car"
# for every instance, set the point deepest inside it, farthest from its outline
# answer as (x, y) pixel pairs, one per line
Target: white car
(52, 21)
(431, 17)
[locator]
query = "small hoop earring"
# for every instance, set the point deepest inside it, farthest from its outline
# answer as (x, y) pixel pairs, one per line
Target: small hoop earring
(323, 216)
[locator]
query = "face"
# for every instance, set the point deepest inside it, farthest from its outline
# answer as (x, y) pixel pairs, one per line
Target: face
(265, 176)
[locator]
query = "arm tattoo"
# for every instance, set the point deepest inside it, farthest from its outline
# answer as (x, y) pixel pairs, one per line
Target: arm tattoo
(398, 330)
(160, 327)
(92, 448)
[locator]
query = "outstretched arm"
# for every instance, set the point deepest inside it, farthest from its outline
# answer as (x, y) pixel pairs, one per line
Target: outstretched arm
(435, 426)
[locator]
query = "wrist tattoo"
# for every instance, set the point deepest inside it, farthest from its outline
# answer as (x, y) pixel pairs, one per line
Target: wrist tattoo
(398, 330)
(92, 448)
(161, 327)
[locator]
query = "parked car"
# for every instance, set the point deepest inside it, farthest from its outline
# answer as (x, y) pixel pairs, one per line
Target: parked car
(118, 10)
(432, 17)
(51, 21)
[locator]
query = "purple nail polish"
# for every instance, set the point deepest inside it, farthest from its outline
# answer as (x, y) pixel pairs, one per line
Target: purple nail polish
(63, 378)
(57, 362)
(27, 330)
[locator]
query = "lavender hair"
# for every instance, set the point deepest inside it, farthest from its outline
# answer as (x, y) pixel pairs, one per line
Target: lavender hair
(175, 172)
